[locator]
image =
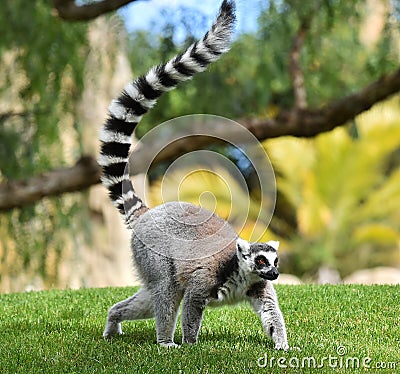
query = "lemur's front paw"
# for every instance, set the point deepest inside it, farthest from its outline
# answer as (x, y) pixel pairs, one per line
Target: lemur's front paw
(282, 345)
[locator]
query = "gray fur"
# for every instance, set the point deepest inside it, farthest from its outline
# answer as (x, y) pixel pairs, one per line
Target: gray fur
(183, 254)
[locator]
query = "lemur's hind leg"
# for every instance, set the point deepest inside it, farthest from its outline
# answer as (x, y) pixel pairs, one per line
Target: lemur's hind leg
(166, 305)
(139, 306)
(194, 303)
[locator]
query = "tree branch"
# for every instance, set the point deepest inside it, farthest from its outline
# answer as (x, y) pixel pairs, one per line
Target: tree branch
(311, 122)
(7, 115)
(70, 11)
(296, 122)
(16, 194)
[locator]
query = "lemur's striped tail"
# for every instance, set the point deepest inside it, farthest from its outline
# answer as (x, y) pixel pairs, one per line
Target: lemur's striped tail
(140, 95)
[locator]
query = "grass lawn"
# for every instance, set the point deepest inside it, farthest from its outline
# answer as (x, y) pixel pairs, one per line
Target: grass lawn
(331, 326)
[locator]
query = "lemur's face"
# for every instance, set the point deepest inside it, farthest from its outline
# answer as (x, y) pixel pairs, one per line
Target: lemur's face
(259, 258)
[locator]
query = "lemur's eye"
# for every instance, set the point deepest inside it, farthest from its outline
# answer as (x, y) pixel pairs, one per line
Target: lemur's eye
(276, 262)
(261, 261)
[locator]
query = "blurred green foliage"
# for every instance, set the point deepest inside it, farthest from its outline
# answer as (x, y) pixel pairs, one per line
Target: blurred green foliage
(253, 78)
(49, 59)
(42, 61)
(345, 192)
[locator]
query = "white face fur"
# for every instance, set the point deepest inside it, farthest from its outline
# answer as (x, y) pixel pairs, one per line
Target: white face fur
(258, 258)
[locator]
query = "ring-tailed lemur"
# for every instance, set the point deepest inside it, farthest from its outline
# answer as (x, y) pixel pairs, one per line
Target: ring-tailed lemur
(214, 266)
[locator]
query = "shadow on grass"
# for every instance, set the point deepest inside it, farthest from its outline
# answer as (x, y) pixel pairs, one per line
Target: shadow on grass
(250, 337)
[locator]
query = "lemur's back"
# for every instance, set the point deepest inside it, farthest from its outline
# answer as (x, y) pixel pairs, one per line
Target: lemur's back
(190, 237)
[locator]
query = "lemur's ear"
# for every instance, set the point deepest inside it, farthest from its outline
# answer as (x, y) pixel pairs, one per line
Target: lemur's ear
(274, 244)
(243, 247)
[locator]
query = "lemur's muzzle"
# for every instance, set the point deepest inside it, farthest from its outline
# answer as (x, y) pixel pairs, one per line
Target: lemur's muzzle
(271, 274)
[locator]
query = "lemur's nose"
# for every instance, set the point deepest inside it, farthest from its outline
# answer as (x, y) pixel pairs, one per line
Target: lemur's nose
(274, 273)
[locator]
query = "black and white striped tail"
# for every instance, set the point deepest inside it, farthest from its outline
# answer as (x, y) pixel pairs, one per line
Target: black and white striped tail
(139, 96)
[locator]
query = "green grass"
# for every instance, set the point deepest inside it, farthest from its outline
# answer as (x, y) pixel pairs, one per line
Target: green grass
(60, 332)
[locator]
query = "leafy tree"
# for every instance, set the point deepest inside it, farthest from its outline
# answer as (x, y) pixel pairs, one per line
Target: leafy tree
(42, 60)
(345, 195)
